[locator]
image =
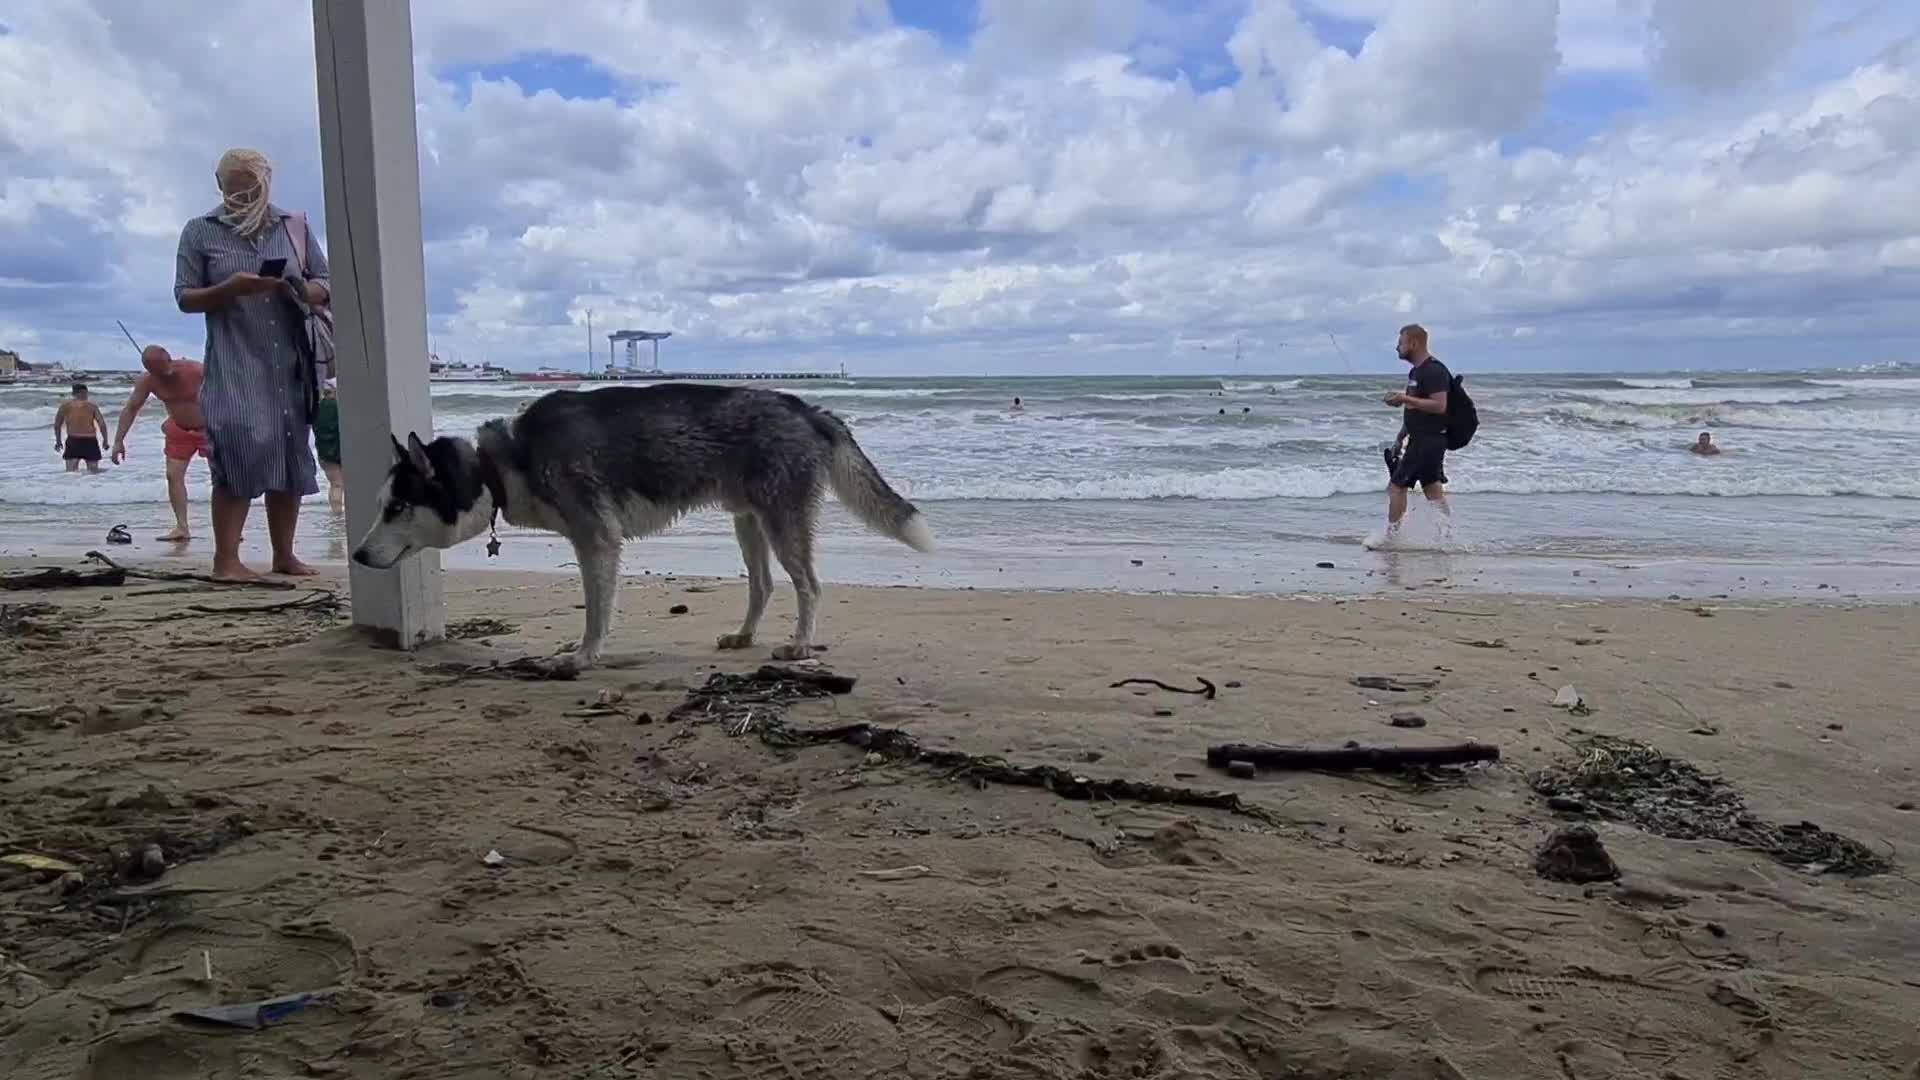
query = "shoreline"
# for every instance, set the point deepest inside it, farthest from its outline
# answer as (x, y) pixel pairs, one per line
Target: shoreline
(854, 560)
(333, 574)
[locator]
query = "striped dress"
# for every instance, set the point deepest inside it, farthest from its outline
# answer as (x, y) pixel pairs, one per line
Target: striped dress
(260, 385)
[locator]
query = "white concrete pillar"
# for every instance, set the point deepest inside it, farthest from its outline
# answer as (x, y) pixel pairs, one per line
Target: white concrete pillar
(369, 150)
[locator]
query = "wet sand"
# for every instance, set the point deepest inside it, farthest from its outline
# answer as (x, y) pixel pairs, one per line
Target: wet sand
(671, 900)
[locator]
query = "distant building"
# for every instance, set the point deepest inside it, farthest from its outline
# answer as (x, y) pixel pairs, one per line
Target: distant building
(9, 366)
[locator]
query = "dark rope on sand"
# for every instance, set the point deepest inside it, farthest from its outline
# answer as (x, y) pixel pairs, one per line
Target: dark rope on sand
(1206, 688)
(758, 703)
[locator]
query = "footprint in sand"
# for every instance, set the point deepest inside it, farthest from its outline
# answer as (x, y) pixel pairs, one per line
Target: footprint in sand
(1567, 986)
(791, 1031)
(954, 1035)
(1036, 992)
(248, 956)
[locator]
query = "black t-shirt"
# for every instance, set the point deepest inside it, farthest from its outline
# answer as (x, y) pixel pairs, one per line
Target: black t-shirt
(1424, 380)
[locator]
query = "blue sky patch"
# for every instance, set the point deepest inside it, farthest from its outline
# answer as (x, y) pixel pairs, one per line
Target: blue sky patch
(570, 75)
(1578, 107)
(952, 21)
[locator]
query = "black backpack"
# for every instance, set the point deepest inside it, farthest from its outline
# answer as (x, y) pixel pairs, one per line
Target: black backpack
(1462, 418)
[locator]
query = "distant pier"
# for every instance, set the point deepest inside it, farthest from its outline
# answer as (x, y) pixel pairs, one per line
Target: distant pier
(719, 376)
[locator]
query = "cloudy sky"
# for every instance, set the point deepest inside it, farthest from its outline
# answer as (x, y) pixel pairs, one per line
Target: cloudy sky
(1026, 186)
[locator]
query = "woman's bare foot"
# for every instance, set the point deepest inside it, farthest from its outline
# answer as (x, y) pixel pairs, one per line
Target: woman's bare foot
(178, 535)
(293, 567)
(234, 571)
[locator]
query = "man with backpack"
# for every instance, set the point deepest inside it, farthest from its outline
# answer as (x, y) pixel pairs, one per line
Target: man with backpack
(1420, 451)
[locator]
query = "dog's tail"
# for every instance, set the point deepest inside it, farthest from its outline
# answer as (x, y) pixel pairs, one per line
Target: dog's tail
(861, 489)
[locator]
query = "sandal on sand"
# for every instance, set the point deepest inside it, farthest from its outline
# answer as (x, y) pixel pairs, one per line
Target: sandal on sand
(119, 535)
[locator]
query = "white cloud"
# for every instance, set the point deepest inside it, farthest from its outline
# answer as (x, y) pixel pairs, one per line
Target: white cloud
(1721, 44)
(1076, 184)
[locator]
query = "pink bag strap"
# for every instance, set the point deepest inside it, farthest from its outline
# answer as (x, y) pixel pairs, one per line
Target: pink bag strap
(298, 236)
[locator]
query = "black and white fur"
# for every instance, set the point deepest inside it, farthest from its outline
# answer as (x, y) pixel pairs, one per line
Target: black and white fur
(603, 466)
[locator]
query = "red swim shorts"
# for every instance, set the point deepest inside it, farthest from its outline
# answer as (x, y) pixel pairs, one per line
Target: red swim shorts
(183, 443)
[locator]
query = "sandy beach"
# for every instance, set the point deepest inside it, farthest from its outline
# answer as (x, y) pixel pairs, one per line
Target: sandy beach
(491, 877)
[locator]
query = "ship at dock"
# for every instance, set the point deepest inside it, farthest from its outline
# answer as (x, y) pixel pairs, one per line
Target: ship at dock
(455, 371)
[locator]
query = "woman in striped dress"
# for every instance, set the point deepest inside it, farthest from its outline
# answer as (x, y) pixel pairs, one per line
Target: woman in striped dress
(261, 387)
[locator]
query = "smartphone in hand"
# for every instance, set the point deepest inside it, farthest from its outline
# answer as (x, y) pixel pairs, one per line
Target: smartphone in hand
(273, 268)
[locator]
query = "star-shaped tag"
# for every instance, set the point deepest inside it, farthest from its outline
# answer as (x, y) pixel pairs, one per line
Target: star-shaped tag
(493, 546)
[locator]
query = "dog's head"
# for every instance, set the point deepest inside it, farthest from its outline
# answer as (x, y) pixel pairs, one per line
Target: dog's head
(433, 498)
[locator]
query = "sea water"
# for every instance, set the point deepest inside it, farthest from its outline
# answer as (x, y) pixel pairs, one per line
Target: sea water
(1234, 484)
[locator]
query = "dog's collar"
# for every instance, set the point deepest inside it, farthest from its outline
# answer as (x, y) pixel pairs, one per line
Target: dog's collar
(497, 494)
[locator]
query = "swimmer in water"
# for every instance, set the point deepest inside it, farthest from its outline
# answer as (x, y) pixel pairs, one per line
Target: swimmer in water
(1704, 446)
(1016, 407)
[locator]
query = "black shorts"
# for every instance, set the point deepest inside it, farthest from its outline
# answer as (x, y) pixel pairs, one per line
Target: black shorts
(81, 448)
(1423, 462)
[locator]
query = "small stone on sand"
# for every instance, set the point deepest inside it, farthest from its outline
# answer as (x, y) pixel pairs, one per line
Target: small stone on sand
(1242, 770)
(1575, 854)
(1407, 720)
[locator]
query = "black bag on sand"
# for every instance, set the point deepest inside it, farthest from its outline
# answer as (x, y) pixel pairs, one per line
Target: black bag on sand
(1462, 418)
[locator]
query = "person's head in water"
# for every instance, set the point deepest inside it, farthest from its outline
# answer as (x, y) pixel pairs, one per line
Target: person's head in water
(1706, 440)
(1413, 343)
(79, 391)
(157, 362)
(1016, 401)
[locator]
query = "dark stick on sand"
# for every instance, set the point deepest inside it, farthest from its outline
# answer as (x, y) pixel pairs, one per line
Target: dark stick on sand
(1206, 688)
(1350, 758)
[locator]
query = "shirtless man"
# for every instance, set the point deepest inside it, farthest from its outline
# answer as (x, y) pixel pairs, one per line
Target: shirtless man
(1704, 447)
(177, 384)
(73, 427)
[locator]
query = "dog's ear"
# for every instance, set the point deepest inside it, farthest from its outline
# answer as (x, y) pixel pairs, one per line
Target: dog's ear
(399, 451)
(417, 453)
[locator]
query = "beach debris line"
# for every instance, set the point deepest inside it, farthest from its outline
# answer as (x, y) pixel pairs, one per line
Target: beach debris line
(466, 629)
(322, 602)
(180, 575)
(61, 577)
(1206, 689)
(1574, 854)
(1350, 757)
(1634, 782)
(757, 703)
(531, 668)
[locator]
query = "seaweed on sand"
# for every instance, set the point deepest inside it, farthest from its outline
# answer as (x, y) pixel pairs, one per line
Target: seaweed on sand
(1634, 782)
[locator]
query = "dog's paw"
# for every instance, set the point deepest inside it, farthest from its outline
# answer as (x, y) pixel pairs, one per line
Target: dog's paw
(791, 652)
(569, 647)
(735, 641)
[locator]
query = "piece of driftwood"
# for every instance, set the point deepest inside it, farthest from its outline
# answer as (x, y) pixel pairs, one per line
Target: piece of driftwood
(896, 745)
(60, 577)
(530, 668)
(758, 703)
(1348, 758)
(1399, 684)
(830, 681)
(1206, 689)
(181, 575)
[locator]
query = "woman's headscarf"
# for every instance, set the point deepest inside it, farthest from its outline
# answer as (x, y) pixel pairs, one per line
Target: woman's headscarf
(245, 207)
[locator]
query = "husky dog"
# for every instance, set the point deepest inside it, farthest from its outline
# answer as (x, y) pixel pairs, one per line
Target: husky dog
(603, 466)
